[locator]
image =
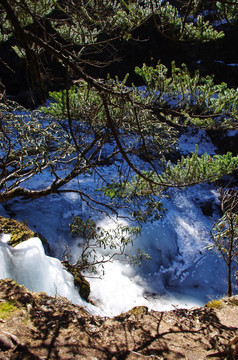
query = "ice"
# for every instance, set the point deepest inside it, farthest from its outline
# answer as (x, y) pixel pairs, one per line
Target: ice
(120, 290)
(222, 62)
(191, 138)
(181, 273)
(28, 265)
(5, 238)
(232, 133)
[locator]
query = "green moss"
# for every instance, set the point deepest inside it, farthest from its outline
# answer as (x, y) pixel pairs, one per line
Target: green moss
(6, 309)
(215, 304)
(79, 280)
(18, 237)
(19, 232)
(138, 310)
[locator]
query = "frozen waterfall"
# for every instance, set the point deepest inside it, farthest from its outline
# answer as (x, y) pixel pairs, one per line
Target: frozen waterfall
(28, 265)
(181, 273)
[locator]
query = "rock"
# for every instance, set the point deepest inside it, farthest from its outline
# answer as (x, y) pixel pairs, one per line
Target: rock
(207, 209)
(6, 342)
(79, 280)
(59, 330)
(20, 232)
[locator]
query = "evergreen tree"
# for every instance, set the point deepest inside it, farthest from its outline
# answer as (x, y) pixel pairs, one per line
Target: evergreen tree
(94, 116)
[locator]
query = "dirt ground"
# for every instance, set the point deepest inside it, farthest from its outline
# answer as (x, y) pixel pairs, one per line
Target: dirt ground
(36, 326)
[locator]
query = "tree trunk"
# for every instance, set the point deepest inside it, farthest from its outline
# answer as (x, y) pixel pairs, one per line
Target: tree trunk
(230, 254)
(229, 289)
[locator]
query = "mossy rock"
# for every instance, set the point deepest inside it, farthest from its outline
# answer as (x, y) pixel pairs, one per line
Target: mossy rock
(19, 232)
(6, 309)
(215, 304)
(79, 280)
(138, 311)
(220, 303)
